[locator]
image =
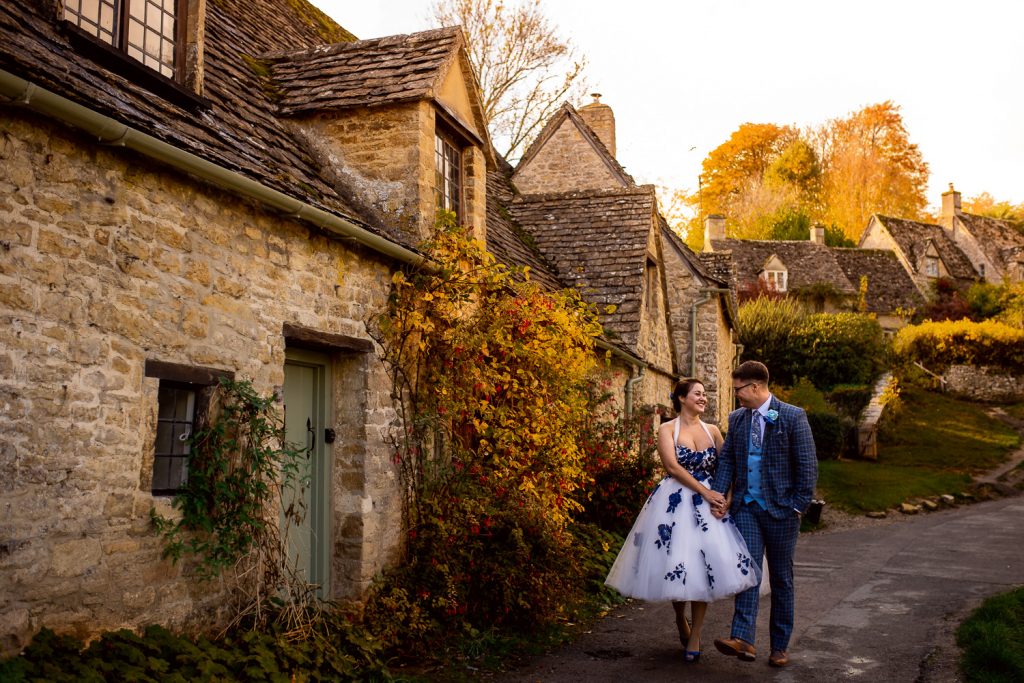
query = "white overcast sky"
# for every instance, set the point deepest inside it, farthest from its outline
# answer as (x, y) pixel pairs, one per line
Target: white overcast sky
(681, 74)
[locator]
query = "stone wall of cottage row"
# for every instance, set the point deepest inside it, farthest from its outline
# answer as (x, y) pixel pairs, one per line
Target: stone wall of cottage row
(107, 260)
(727, 360)
(984, 383)
(566, 163)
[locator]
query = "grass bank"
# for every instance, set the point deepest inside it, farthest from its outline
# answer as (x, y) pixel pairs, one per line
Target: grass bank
(934, 446)
(991, 639)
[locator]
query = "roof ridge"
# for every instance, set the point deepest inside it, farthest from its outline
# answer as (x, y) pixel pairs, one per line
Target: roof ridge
(329, 49)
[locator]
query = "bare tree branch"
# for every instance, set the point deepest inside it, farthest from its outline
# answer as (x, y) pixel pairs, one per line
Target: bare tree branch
(525, 69)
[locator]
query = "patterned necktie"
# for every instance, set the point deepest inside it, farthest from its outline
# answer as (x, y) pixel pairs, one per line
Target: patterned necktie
(755, 429)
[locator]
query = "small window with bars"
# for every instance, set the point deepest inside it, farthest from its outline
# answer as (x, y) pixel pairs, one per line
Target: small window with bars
(148, 31)
(448, 175)
(176, 418)
(931, 266)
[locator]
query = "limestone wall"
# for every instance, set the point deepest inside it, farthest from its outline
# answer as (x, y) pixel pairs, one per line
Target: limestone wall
(107, 260)
(984, 384)
(387, 154)
(566, 163)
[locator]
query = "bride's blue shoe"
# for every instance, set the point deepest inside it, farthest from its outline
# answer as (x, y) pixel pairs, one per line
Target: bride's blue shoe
(691, 656)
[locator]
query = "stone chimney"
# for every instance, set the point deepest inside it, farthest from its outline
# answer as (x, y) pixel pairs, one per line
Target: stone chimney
(950, 209)
(601, 119)
(714, 229)
(818, 234)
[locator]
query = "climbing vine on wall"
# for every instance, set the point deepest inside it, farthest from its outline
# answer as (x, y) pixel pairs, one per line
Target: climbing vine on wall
(489, 375)
(237, 506)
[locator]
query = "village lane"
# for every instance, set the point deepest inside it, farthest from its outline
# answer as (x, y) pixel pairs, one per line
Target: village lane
(876, 603)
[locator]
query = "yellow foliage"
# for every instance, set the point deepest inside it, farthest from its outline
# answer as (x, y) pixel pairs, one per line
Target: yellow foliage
(497, 368)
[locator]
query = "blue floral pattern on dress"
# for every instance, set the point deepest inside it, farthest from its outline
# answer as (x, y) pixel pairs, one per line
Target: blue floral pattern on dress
(678, 573)
(664, 536)
(674, 500)
(702, 523)
(701, 464)
(743, 564)
(711, 576)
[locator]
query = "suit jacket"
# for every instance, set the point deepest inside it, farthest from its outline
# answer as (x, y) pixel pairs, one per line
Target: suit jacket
(789, 465)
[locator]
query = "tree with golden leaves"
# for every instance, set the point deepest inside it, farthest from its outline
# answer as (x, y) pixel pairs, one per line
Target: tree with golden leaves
(526, 70)
(870, 166)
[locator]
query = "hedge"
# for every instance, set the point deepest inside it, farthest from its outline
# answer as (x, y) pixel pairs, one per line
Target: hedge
(937, 345)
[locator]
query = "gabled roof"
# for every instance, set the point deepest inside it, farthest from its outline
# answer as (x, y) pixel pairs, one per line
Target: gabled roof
(1000, 240)
(913, 239)
(597, 243)
(568, 113)
(889, 284)
(807, 263)
(240, 130)
(363, 73)
(688, 255)
(507, 240)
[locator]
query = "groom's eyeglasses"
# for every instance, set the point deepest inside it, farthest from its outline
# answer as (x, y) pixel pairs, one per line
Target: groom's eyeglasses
(738, 389)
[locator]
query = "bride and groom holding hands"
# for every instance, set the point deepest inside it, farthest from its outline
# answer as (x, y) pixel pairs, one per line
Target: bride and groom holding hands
(724, 505)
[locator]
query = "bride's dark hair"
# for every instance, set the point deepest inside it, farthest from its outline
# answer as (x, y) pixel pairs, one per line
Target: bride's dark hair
(682, 388)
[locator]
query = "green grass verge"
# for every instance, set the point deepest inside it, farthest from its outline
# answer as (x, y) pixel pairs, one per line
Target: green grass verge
(991, 639)
(939, 432)
(933, 447)
(860, 487)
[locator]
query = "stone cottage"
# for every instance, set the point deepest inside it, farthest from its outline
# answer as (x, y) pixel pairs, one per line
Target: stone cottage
(925, 251)
(223, 188)
(829, 279)
(579, 219)
(995, 247)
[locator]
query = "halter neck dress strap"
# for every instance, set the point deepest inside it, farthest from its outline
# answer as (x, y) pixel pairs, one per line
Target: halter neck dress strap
(707, 431)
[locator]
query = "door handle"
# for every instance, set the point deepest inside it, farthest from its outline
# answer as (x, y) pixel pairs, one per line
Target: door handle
(312, 434)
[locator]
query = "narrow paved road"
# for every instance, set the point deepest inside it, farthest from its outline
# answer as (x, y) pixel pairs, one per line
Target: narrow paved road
(877, 603)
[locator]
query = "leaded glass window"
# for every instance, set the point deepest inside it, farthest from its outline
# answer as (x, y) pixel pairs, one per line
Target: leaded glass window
(448, 175)
(145, 30)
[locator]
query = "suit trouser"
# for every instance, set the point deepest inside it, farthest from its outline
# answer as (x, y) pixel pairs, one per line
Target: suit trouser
(776, 538)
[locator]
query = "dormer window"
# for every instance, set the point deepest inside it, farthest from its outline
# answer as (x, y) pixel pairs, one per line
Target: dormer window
(776, 279)
(448, 174)
(149, 31)
(931, 266)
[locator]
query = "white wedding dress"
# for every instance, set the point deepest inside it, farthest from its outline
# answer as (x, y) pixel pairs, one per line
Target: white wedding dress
(678, 550)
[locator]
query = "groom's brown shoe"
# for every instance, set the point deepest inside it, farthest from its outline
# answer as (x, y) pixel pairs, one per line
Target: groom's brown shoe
(778, 658)
(735, 647)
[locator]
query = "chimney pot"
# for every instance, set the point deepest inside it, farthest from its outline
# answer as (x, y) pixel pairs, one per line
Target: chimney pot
(601, 119)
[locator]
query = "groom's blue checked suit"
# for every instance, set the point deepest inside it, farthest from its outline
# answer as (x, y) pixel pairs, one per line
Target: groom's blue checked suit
(788, 473)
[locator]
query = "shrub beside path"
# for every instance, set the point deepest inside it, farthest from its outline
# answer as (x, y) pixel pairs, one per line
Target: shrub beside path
(878, 602)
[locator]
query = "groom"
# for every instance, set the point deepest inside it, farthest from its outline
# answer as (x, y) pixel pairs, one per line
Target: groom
(768, 459)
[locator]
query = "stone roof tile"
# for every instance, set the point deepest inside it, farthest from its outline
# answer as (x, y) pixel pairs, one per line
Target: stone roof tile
(362, 73)
(597, 242)
(239, 130)
(999, 239)
(808, 263)
(913, 238)
(889, 285)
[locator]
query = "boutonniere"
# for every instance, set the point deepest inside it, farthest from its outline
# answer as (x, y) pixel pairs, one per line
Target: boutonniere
(771, 416)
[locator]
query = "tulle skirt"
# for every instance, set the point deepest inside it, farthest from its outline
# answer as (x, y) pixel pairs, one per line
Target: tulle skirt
(678, 550)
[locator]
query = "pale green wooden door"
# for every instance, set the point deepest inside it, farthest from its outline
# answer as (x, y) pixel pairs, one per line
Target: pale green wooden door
(306, 407)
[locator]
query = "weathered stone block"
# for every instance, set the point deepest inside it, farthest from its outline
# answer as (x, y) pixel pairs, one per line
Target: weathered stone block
(74, 558)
